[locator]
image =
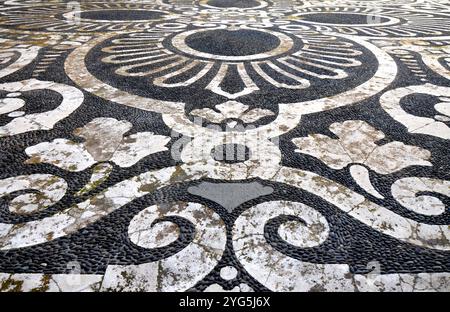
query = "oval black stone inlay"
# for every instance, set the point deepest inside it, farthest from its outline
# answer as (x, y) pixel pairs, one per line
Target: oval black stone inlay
(232, 42)
(233, 3)
(121, 15)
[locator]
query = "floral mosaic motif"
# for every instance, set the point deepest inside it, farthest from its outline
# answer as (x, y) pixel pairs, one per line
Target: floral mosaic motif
(333, 118)
(104, 140)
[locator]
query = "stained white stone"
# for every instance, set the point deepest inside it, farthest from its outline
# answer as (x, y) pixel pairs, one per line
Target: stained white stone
(137, 146)
(362, 177)
(16, 114)
(8, 105)
(131, 278)
(357, 144)
(232, 109)
(228, 273)
(14, 94)
(443, 108)
(218, 288)
(72, 99)
(390, 101)
(50, 189)
(49, 282)
(377, 217)
(104, 141)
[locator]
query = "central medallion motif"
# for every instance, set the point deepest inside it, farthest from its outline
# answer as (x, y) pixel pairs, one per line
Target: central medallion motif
(233, 45)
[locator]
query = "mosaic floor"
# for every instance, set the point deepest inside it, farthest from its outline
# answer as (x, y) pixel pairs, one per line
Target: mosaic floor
(225, 145)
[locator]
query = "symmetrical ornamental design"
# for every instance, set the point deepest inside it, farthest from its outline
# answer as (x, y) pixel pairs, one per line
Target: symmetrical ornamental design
(333, 116)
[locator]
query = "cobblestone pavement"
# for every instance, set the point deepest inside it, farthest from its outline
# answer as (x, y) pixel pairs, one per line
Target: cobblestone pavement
(225, 145)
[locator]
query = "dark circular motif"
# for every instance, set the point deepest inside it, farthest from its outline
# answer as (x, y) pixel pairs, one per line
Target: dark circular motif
(232, 43)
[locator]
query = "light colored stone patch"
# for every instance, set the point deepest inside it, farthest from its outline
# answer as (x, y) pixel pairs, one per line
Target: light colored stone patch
(232, 110)
(289, 113)
(145, 233)
(377, 217)
(83, 78)
(4, 229)
(48, 190)
(49, 283)
(390, 101)
(7, 52)
(220, 192)
(83, 214)
(442, 118)
(362, 177)
(357, 144)
(16, 114)
(279, 272)
(443, 108)
(72, 99)
(103, 136)
(13, 94)
(104, 141)
(137, 146)
(422, 282)
(180, 271)
(310, 230)
(10, 104)
(406, 190)
(248, 88)
(77, 282)
(41, 231)
(431, 56)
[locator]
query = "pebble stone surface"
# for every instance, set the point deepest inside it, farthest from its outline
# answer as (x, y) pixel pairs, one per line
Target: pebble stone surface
(225, 145)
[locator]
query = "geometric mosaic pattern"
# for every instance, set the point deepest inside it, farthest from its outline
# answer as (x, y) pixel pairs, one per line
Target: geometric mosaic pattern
(225, 145)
